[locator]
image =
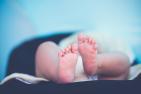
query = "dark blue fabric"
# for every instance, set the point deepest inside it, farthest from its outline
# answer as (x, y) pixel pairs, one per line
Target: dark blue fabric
(90, 87)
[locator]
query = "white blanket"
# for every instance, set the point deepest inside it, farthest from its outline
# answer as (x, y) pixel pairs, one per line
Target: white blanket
(28, 79)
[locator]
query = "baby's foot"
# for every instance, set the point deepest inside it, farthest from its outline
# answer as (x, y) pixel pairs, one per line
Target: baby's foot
(68, 59)
(88, 51)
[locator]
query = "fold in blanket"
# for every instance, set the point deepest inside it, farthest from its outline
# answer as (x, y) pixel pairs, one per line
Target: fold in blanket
(28, 79)
(25, 78)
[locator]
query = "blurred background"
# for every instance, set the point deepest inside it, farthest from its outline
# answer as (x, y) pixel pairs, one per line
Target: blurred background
(21, 20)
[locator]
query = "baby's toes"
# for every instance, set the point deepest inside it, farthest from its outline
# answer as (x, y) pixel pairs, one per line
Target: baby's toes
(86, 39)
(61, 54)
(74, 48)
(81, 38)
(64, 51)
(68, 49)
(90, 41)
(93, 42)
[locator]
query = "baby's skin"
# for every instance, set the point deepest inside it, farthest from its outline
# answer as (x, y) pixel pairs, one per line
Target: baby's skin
(86, 47)
(60, 66)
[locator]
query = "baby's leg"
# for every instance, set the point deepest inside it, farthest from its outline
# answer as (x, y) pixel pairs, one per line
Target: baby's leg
(112, 66)
(47, 61)
(56, 65)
